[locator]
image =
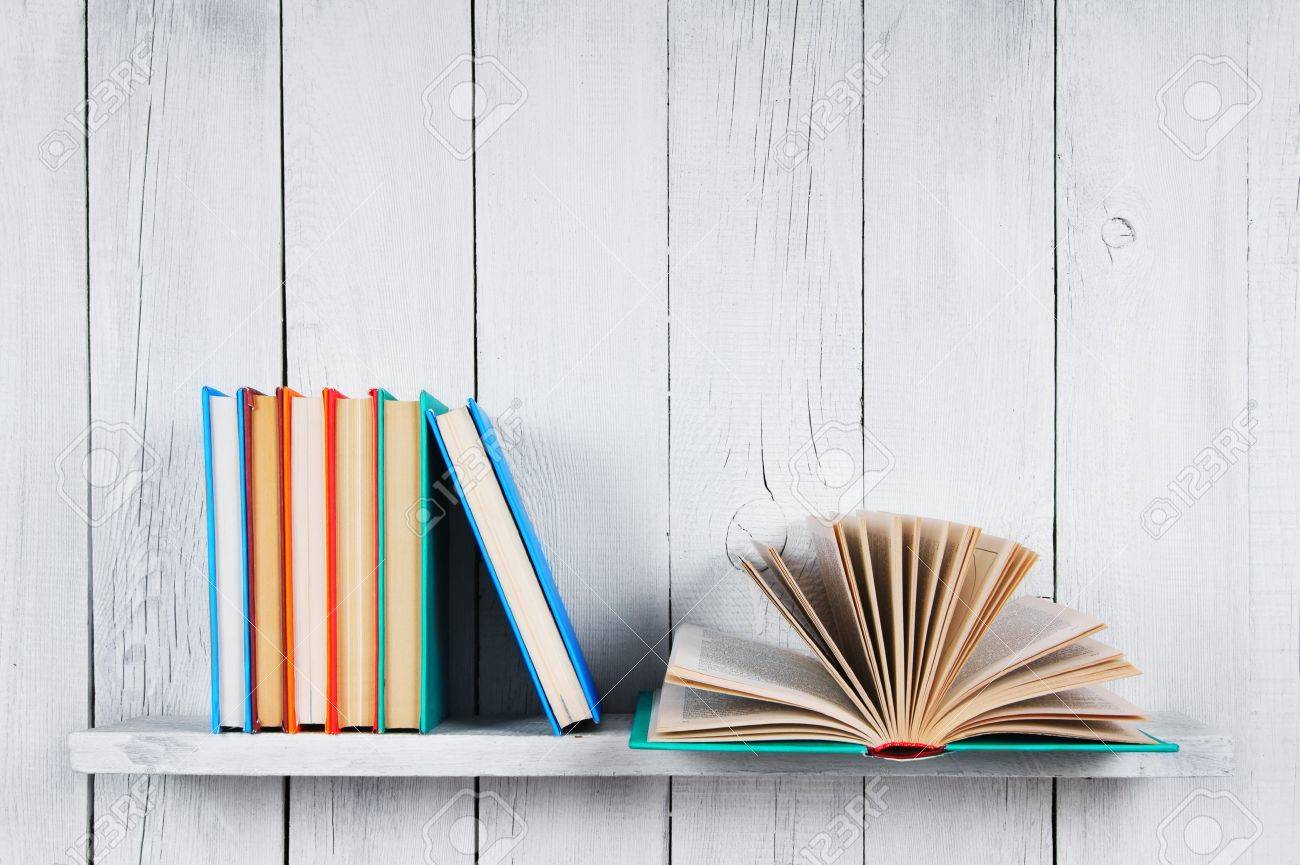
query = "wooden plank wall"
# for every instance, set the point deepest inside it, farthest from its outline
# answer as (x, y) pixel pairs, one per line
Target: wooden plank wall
(695, 270)
(44, 497)
(572, 266)
(370, 302)
(958, 330)
(184, 284)
(765, 251)
(1176, 426)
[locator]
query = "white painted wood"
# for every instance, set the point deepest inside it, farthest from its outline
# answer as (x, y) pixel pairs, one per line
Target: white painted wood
(766, 340)
(1163, 338)
(1269, 720)
(571, 217)
(958, 330)
(779, 819)
(43, 445)
(184, 291)
(379, 293)
(525, 747)
(1152, 365)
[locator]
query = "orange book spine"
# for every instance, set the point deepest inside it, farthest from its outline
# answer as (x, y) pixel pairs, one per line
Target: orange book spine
(285, 397)
(331, 397)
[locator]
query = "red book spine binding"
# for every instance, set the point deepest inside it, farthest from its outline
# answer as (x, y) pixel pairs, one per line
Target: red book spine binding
(246, 418)
(905, 751)
(284, 397)
(331, 567)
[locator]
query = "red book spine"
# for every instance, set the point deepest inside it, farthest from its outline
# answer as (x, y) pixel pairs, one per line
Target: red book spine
(285, 397)
(246, 418)
(331, 397)
(905, 751)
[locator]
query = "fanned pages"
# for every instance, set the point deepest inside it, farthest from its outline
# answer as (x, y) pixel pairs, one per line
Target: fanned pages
(913, 643)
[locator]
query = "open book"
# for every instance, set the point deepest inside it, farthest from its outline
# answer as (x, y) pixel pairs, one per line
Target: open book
(915, 643)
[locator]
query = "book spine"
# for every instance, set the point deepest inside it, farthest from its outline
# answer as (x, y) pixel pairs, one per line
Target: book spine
(284, 398)
(376, 467)
(210, 490)
(246, 466)
(331, 566)
(905, 751)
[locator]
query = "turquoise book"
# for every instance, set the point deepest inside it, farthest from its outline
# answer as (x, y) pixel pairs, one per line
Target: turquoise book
(645, 706)
(411, 567)
(908, 641)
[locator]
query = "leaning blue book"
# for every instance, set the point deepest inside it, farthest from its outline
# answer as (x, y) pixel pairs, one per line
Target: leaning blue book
(496, 453)
(512, 552)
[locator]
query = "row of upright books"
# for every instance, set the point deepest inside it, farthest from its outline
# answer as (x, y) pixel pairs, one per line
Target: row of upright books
(329, 522)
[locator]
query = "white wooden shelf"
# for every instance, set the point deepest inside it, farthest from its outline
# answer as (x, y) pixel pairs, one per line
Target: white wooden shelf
(184, 746)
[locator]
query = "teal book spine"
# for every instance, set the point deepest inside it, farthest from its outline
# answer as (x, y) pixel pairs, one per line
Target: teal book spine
(435, 498)
(380, 396)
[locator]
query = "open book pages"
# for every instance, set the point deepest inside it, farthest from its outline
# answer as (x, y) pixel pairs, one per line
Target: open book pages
(912, 641)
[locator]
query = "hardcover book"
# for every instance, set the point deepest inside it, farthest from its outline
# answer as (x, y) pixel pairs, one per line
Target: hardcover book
(912, 646)
(352, 562)
(227, 571)
(266, 557)
(412, 578)
(302, 421)
(516, 566)
(329, 566)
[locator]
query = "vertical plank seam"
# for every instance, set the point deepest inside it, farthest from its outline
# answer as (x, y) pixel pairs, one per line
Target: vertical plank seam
(668, 340)
(285, 793)
(473, 216)
(862, 310)
(473, 233)
(1250, 535)
(1056, 330)
(284, 214)
(90, 535)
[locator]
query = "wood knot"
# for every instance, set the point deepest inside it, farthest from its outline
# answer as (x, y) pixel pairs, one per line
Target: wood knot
(757, 523)
(1117, 232)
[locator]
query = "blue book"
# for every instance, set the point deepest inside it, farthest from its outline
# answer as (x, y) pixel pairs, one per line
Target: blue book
(210, 489)
(225, 479)
(496, 453)
(474, 480)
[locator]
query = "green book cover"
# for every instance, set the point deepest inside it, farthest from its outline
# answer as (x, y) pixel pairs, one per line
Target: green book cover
(645, 705)
(433, 570)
